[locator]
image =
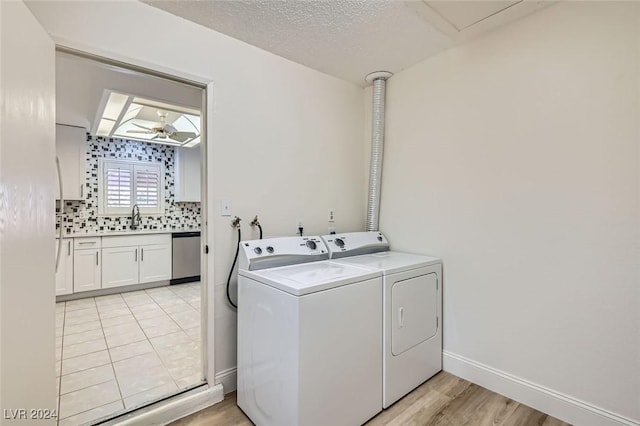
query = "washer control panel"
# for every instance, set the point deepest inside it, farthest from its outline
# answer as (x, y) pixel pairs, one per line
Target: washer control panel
(271, 252)
(355, 243)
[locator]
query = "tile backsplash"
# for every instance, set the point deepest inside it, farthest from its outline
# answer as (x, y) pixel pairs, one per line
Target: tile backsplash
(82, 216)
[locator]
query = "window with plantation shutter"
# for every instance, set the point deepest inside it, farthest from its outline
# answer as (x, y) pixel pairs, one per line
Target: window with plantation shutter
(125, 183)
(147, 186)
(119, 187)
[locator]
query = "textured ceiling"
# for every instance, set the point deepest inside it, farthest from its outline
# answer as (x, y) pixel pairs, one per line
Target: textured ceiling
(351, 38)
(344, 38)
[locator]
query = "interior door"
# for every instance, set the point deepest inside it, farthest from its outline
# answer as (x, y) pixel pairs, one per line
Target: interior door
(28, 176)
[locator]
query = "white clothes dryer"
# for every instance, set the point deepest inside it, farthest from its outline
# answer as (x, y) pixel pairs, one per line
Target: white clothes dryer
(309, 335)
(412, 308)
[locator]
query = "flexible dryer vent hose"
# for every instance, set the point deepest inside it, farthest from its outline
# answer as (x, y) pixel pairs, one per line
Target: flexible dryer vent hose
(377, 145)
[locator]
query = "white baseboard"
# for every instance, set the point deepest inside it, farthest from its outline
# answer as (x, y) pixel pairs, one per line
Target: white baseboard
(228, 379)
(175, 408)
(556, 404)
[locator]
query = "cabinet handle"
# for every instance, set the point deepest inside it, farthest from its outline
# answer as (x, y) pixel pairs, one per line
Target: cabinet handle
(142, 255)
(81, 191)
(87, 242)
(68, 248)
(136, 256)
(96, 258)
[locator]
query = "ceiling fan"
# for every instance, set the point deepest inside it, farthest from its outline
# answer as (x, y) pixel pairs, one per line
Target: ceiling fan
(164, 130)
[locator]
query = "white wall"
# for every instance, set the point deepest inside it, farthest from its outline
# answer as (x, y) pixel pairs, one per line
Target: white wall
(516, 159)
(287, 140)
(27, 179)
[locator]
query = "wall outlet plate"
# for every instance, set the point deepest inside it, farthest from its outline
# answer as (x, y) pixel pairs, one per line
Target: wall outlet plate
(225, 208)
(331, 216)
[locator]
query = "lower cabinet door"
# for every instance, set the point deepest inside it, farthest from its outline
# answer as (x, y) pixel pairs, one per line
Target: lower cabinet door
(86, 270)
(119, 266)
(155, 263)
(64, 276)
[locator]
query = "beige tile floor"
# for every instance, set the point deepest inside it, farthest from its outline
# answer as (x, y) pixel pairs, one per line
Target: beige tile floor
(117, 352)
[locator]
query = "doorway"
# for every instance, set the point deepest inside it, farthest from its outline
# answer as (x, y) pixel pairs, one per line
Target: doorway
(132, 154)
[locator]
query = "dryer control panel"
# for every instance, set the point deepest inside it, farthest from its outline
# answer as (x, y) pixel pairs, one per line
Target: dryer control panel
(273, 252)
(355, 243)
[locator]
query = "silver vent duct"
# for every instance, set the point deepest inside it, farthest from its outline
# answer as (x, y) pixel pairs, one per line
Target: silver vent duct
(379, 80)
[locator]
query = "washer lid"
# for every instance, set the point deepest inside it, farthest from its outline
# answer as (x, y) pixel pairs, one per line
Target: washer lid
(311, 277)
(390, 262)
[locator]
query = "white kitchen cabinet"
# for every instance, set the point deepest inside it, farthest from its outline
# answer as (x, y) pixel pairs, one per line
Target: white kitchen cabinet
(135, 259)
(187, 177)
(108, 262)
(155, 263)
(119, 266)
(86, 270)
(71, 149)
(64, 275)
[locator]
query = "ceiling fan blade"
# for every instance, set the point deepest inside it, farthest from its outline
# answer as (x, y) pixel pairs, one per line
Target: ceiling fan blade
(148, 132)
(168, 128)
(142, 127)
(182, 136)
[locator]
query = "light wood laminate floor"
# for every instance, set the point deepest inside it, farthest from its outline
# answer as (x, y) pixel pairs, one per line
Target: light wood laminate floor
(444, 400)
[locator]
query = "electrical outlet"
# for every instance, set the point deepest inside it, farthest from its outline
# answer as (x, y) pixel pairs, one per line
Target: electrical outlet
(331, 216)
(299, 223)
(225, 208)
(332, 230)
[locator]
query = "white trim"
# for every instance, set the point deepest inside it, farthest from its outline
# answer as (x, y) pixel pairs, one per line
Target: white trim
(208, 271)
(83, 48)
(556, 404)
(228, 379)
(207, 231)
(172, 409)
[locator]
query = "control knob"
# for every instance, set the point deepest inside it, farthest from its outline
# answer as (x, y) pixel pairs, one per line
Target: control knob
(269, 249)
(258, 250)
(339, 242)
(311, 244)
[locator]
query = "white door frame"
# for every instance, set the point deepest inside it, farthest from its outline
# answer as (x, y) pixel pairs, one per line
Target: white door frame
(193, 401)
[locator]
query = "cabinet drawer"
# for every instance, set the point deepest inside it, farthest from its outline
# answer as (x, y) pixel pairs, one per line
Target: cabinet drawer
(87, 243)
(135, 240)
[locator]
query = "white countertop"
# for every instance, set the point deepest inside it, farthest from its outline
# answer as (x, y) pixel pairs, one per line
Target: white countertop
(121, 233)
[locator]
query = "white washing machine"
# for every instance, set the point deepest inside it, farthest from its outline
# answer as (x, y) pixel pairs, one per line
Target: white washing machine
(412, 308)
(309, 335)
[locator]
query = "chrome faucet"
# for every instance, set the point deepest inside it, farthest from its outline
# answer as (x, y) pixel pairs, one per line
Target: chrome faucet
(135, 216)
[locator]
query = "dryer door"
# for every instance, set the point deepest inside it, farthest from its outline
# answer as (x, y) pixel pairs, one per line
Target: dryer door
(414, 312)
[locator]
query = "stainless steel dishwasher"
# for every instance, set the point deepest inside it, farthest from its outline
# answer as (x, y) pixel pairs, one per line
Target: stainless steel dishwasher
(186, 257)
